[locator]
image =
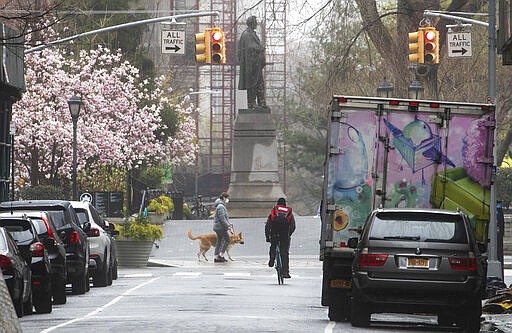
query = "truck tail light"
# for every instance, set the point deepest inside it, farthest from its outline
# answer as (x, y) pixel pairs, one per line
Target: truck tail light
(372, 259)
(5, 263)
(37, 249)
(463, 264)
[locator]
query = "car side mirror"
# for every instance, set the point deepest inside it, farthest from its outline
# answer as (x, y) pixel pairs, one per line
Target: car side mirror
(352, 242)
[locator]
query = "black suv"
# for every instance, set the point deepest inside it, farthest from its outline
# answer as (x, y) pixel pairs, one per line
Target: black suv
(49, 236)
(24, 233)
(74, 237)
(417, 261)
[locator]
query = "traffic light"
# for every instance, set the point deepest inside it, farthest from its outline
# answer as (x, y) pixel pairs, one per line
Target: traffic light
(431, 46)
(203, 54)
(416, 46)
(218, 46)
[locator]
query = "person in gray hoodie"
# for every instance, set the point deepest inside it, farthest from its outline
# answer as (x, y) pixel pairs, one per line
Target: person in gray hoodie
(221, 226)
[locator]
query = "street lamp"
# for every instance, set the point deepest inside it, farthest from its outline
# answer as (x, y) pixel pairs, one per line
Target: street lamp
(74, 103)
(415, 90)
(385, 89)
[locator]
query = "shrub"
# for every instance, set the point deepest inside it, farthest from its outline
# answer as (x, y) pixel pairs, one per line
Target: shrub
(161, 205)
(139, 228)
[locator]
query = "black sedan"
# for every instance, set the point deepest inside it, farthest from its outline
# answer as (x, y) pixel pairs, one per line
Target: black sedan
(25, 235)
(16, 273)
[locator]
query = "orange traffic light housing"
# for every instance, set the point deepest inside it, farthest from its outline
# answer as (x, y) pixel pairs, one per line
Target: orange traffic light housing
(431, 46)
(218, 44)
(416, 46)
(203, 48)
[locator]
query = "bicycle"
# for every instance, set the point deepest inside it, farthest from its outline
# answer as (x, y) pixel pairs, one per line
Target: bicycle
(199, 210)
(279, 264)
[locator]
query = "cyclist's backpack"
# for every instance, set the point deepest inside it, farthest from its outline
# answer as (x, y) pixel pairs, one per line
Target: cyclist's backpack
(280, 224)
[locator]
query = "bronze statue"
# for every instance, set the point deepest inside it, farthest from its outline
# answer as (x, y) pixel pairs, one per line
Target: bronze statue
(251, 57)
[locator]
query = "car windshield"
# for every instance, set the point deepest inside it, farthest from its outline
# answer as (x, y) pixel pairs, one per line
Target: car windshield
(58, 218)
(39, 225)
(82, 215)
(21, 232)
(418, 227)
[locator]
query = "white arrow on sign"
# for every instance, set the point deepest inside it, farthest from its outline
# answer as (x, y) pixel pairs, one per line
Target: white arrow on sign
(459, 44)
(173, 41)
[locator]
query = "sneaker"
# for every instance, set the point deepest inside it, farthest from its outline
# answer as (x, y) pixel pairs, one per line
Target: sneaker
(271, 262)
(219, 259)
(286, 276)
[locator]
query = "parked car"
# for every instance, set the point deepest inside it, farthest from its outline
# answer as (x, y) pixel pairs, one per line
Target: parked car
(48, 235)
(101, 244)
(16, 273)
(24, 233)
(417, 261)
(70, 232)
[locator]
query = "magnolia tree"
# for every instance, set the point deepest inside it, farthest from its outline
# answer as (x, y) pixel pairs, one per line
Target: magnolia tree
(120, 122)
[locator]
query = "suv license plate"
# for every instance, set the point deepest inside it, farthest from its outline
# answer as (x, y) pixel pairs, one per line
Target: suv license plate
(417, 263)
(341, 284)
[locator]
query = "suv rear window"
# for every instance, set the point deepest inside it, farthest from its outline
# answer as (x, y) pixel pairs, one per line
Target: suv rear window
(58, 218)
(424, 227)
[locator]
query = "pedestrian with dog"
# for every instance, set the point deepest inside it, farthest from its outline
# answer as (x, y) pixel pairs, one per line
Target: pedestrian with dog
(279, 227)
(222, 227)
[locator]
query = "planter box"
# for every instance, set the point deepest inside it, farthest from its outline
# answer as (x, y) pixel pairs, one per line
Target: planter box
(133, 253)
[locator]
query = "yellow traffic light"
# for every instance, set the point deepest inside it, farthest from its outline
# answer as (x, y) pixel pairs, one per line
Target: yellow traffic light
(431, 45)
(218, 44)
(416, 46)
(203, 54)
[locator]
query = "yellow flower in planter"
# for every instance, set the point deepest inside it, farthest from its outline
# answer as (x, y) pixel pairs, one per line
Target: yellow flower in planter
(139, 228)
(162, 205)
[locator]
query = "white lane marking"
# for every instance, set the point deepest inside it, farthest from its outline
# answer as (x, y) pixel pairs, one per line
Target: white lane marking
(237, 274)
(139, 275)
(329, 327)
(101, 308)
(190, 274)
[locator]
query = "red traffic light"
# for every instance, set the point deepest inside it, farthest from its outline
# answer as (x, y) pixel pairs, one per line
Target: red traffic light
(218, 46)
(430, 36)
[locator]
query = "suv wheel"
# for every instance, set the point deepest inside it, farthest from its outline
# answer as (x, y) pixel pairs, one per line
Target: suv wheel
(339, 312)
(470, 318)
(27, 306)
(100, 279)
(59, 291)
(359, 314)
(114, 271)
(43, 301)
(79, 284)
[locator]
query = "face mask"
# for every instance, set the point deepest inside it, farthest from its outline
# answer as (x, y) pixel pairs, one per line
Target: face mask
(227, 200)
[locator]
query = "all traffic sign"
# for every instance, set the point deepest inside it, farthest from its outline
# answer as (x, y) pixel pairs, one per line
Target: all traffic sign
(459, 44)
(173, 41)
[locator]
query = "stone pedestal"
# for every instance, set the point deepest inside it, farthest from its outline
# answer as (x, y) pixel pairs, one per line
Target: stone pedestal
(254, 185)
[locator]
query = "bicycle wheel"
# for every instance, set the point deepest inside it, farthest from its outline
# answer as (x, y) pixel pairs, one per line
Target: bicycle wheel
(279, 266)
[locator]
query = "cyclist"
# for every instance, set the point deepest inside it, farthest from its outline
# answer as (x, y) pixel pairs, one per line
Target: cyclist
(279, 227)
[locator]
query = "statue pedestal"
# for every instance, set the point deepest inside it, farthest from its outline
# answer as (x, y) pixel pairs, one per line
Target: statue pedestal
(254, 185)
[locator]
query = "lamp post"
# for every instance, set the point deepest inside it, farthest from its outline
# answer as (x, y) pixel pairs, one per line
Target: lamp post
(385, 89)
(415, 90)
(74, 103)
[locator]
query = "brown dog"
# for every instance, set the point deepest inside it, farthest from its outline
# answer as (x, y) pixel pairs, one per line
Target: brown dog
(207, 241)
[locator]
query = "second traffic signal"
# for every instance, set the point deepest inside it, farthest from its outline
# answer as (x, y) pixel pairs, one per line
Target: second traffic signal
(203, 54)
(431, 46)
(218, 44)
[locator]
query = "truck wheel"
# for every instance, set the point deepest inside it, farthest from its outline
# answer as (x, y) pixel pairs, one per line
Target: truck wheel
(359, 314)
(339, 312)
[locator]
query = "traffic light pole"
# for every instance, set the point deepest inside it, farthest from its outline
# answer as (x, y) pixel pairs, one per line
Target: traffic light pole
(494, 266)
(120, 26)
